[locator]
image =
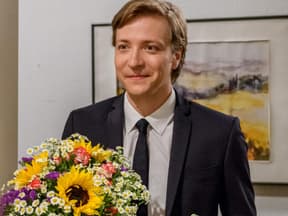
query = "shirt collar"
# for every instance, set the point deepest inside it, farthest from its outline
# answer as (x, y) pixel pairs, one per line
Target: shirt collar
(158, 120)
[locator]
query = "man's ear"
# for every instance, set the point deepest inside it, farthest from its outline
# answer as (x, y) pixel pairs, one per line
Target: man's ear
(176, 58)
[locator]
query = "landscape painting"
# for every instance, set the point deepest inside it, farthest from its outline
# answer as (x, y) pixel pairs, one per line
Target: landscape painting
(232, 77)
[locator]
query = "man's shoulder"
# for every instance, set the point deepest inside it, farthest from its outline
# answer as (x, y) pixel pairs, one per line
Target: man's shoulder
(198, 110)
(100, 107)
(212, 121)
(197, 107)
(204, 114)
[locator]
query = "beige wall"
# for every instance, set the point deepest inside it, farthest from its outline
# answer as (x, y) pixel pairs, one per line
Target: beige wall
(8, 87)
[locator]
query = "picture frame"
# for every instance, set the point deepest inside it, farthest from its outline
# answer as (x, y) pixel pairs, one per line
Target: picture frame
(273, 29)
(104, 82)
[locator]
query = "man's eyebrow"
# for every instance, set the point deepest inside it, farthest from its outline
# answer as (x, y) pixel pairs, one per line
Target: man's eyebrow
(122, 40)
(155, 42)
(144, 42)
(152, 41)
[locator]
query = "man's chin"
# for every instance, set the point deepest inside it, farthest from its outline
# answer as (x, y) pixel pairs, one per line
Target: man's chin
(137, 92)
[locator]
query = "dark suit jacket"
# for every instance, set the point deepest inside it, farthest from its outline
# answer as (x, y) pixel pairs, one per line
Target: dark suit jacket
(208, 163)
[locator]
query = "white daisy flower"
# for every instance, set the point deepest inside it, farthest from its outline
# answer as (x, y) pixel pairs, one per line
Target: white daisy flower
(23, 203)
(22, 211)
(21, 195)
(17, 208)
(54, 200)
(35, 203)
(50, 194)
(67, 209)
(29, 151)
(29, 209)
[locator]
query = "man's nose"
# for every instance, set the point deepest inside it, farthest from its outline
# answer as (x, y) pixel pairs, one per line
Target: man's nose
(135, 59)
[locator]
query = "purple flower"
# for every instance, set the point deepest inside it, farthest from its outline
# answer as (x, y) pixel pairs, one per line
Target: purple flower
(124, 169)
(26, 159)
(52, 175)
(32, 195)
(7, 199)
(29, 194)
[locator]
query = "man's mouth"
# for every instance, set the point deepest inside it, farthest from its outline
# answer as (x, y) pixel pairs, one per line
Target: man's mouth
(137, 77)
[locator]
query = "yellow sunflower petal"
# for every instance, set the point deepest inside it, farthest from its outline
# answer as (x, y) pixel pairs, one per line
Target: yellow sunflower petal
(25, 175)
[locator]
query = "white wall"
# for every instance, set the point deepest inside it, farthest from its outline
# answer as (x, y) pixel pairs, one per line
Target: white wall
(55, 63)
(55, 59)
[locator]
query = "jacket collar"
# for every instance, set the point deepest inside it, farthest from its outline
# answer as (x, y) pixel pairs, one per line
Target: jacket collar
(114, 126)
(180, 140)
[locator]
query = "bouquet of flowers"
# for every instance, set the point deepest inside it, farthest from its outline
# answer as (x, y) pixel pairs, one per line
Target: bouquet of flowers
(72, 177)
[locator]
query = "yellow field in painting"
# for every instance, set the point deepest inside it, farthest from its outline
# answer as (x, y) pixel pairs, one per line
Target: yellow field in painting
(253, 111)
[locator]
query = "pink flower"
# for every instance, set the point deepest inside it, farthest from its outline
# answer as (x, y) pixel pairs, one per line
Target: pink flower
(109, 169)
(81, 156)
(112, 210)
(109, 182)
(35, 183)
(57, 160)
(67, 157)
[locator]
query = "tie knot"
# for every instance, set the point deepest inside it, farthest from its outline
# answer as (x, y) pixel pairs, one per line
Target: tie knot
(141, 125)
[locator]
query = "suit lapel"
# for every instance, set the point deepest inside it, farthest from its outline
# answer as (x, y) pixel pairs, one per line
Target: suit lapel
(114, 124)
(181, 134)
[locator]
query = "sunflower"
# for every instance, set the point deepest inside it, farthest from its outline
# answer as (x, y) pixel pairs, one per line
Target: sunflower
(78, 190)
(42, 158)
(30, 171)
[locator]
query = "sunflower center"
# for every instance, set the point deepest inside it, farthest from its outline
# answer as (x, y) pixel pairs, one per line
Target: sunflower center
(76, 192)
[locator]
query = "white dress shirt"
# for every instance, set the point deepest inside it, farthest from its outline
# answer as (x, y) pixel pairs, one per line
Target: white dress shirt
(159, 138)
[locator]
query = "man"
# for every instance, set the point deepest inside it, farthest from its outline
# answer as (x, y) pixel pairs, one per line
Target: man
(197, 157)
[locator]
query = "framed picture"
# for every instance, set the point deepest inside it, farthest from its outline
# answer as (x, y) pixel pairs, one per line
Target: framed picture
(237, 66)
(232, 77)
(104, 82)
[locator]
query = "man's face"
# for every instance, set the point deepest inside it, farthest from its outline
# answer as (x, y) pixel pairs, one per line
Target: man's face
(144, 58)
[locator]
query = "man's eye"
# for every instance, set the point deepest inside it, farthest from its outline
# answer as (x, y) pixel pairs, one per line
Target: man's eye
(151, 48)
(122, 47)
